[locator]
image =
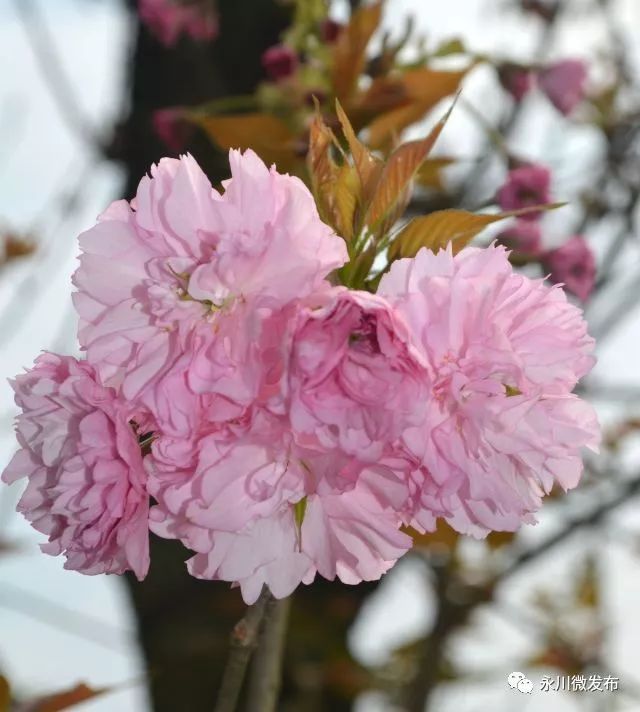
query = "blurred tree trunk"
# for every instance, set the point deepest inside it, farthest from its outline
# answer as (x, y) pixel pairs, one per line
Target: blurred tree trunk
(183, 623)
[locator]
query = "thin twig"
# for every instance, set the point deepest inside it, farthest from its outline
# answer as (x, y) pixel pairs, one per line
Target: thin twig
(244, 639)
(44, 51)
(266, 674)
(63, 618)
(595, 516)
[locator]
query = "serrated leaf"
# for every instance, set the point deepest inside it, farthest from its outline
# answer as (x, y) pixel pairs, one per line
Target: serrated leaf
(67, 699)
(267, 135)
(458, 227)
(368, 166)
(5, 694)
(424, 88)
(349, 50)
(399, 170)
(323, 170)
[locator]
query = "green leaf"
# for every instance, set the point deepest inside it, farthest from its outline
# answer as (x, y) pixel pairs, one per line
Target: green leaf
(299, 510)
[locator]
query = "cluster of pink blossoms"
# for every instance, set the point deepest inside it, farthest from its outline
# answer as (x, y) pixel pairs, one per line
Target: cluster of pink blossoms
(280, 426)
(168, 20)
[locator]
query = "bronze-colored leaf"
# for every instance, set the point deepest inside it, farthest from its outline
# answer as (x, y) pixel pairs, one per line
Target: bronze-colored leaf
(345, 194)
(323, 170)
(424, 88)
(496, 540)
(266, 134)
(5, 694)
(67, 699)
(399, 171)
(15, 246)
(383, 95)
(458, 227)
(429, 174)
(368, 166)
(349, 50)
(444, 538)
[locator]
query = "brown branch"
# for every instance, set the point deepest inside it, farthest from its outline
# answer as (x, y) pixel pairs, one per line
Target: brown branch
(244, 639)
(266, 674)
(595, 516)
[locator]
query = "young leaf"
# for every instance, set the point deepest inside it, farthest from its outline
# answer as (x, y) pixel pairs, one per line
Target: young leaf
(349, 50)
(369, 167)
(458, 227)
(67, 699)
(429, 174)
(423, 89)
(266, 134)
(345, 196)
(323, 170)
(399, 170)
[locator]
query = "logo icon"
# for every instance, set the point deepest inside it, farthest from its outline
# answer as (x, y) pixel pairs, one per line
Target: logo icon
(519, 681)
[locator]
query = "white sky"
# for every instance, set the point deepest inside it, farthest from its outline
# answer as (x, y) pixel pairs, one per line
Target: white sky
(39, 158)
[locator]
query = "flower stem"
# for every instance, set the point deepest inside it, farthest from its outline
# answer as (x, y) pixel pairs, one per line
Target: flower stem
(266, 673)
(244, 639)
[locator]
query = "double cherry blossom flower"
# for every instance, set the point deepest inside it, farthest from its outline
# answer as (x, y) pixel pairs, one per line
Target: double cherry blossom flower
(285, 426)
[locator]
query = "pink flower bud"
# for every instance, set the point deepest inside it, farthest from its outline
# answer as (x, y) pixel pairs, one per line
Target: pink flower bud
(525, 186)
(573, 265)
(279, 62)
(563, 83)
(516, 80)
(169, 19)
(329, 30)
(171, 128)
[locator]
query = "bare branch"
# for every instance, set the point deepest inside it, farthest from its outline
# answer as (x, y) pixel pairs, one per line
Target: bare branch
(43, 48)
(266, 674)
(244, 639)
(595, 516)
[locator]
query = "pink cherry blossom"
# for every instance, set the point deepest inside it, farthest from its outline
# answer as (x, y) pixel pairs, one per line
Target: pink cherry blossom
(334, 516)
(84, 469)
(356, 381)
(504, 354)
(169, 19)
(563, 83)
(186, 278)
(525, 187)
(573, 265)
